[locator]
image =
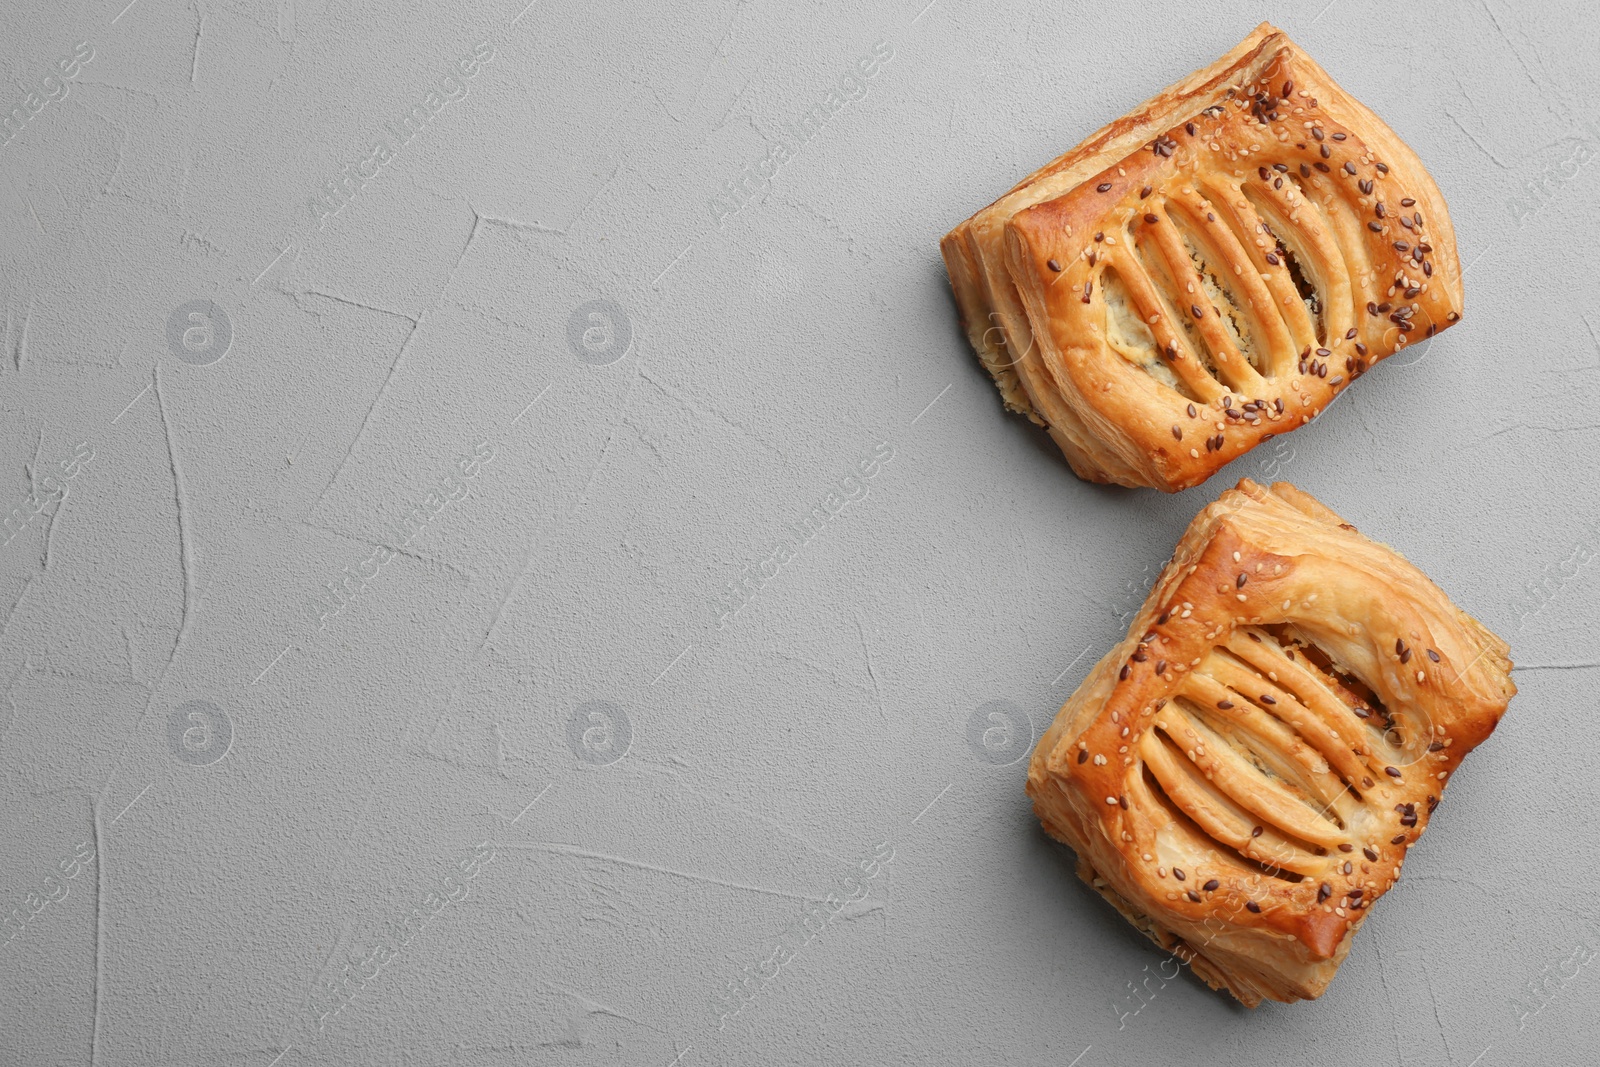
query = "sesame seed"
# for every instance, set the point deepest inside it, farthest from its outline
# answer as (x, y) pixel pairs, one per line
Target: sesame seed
(1146, 191)
(1123, 674)
(1111, 801)
(1324, 891)
(1338, 137)
(1370, 854)
(1192, 895)
(1211, 886)
(1192, 410)
(1083, 756)
(1349, 167)
(1103, 187)
(1345, 846)
(1122, 800)
(1053, 265)
(1392, 772)
(1177, 872)
(1224, 704)
(1433, 655)
(1253, 906)
(1265, 699)
(1398, 839)
(1255, 832)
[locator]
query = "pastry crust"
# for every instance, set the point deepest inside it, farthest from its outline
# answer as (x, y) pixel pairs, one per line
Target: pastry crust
(1243, 774)
(1208, 271)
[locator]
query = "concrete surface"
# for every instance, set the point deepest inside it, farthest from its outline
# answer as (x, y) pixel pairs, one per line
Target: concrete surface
(289, 777)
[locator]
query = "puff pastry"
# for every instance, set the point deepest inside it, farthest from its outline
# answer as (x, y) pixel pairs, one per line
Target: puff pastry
(1241, 777)
(1206, 272)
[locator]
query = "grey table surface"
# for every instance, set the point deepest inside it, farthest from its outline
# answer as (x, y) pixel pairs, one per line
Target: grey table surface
(287, 777)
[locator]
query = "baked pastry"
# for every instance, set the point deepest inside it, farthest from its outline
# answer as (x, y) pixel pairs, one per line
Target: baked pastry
(1206, 272)
(1241, 777)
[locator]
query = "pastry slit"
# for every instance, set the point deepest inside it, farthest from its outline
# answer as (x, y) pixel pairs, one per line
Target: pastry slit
(1147, 298)
(1218, 817)
(1243, 783)
(1275, 348)
(1277, 701)
(1273, 740)
(1309, 248)
(1259, 240)
(1189, 296)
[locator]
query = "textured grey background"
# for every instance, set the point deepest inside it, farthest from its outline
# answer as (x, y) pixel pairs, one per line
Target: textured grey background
(202, 883)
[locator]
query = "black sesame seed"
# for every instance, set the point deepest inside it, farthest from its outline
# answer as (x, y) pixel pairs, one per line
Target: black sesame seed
(1151, 218)
(1257, 831)
(1083, 755)
(1338, 137)
(1177, 433)
(1375, 227)
(1382, 168)
(1161, 666)
(1123, 674)
(1349, 167)
(1192, 410)
(1413, 291)
(1345, 846)
(1123, 801)
(1433, 655)
(1272, 257)
(1392, 772)
(1188, 127)
(1407, 202)
(1224, 704)
(1266, 699)
(1316, 131)
(1398, 839)
(1323, 167)
(1211, 886)
(1192, 895)
(1326, 152)
(1103, 187)
(1194, 309)
(1305, 171)
(1146, 191)
(1053, 265)
(1370, 853)
(1365, 185)
(1177, 872)
(1253, 906)
(1324, 891)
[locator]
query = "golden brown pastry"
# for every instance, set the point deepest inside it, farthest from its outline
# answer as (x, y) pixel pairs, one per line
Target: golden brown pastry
(1206, 272)
(1241, 777)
